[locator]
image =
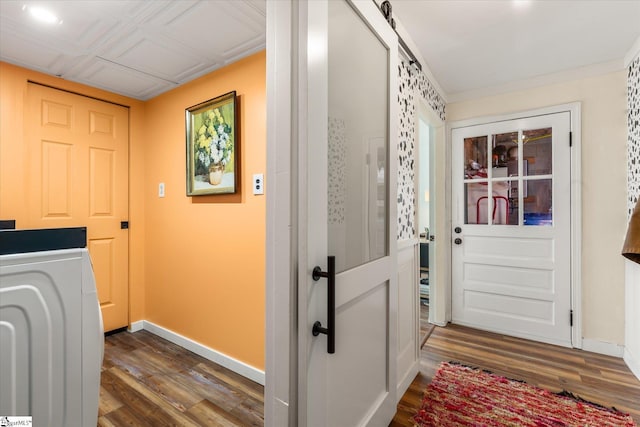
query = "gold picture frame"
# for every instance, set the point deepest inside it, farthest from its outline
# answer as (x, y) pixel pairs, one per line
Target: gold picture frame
(212, 145)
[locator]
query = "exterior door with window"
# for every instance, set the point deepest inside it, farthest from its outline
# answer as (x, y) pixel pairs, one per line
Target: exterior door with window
(347, 314)
(511, 252)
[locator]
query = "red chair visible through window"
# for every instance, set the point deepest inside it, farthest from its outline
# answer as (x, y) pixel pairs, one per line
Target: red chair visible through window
(495, 205)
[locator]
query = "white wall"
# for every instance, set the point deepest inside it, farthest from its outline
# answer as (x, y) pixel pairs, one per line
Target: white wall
(604, 186)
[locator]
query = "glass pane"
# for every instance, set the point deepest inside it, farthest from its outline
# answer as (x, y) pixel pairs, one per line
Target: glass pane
(504, 160)
(504, 150)
(358, 140)
(501, 204)
(538, 206)
(477, 210)
(513, 203)
(537, 152)
(475, 157)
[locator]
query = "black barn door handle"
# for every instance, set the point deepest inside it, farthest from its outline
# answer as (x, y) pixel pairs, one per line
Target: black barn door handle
(330, 330)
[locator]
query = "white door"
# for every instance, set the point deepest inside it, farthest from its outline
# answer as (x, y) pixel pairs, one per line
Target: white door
(511, 252)
(347, 371)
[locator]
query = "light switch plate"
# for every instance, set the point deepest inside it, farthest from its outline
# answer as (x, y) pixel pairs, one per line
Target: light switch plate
(258, 183)
(161, 189)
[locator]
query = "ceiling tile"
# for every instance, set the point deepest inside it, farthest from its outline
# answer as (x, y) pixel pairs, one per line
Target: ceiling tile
(116, 78)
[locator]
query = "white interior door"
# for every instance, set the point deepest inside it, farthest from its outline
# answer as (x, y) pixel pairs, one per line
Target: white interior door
(349, 212)
(511, 252)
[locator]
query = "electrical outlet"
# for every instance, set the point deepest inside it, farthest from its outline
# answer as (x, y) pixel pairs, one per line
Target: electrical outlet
(258, 183)
(161, 189)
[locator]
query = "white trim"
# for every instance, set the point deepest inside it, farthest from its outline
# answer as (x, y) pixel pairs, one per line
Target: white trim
(632, 362)
(544, 80)
(241, 368)
(440, 248)
(632, 317)
(136, 326)
(280, 339)
(409, 254)
(574, 109)
(602, 347)
(409, 376)
(406, 243)
(633, 53)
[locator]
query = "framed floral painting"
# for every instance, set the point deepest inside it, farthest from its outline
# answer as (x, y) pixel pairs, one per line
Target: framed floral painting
(211, 146)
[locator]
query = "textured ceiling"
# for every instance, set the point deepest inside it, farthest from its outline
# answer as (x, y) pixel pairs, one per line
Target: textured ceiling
(134, 48)
(144, 48)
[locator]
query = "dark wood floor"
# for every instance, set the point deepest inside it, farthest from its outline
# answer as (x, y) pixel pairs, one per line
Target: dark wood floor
(425, 327)
(602, 379)
(147, 381)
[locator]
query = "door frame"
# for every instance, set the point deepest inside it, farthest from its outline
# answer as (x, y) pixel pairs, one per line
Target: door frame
(285, 205)
(440, 278)
(281, 341)
(574, 110)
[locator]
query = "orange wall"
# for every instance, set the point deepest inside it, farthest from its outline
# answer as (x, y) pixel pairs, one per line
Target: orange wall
(205, 255)
(197, 264)
(13, 200)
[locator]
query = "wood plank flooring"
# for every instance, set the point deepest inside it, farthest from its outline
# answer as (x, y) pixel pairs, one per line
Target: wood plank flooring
(597, 378)
(425, 327)
(148, 381)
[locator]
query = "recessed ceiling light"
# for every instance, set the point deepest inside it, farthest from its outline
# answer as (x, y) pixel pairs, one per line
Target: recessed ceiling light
(521, 4)
(42, 15)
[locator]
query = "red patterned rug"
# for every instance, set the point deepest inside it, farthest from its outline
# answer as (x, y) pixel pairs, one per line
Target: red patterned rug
(463, 396)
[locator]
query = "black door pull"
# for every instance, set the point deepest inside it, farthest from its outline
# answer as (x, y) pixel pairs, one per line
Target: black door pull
(330, 330)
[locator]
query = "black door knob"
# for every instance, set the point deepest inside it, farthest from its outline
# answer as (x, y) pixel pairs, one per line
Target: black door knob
(458, 230)
(457, 241)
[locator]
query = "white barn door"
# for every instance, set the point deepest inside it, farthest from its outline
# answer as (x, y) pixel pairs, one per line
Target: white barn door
(348, 310)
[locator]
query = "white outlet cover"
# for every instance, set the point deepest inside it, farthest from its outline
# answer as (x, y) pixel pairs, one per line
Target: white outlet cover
(258, 183)
(161, 189)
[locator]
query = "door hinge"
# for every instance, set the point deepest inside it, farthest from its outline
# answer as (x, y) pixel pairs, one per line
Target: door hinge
(570, 317)
(570, 139)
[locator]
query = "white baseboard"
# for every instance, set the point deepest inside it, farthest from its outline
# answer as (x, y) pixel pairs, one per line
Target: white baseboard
(136, 326)
(222, 359)
(601, 347)
(632, 362)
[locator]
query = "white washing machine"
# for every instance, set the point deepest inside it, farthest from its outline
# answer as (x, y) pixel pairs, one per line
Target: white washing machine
(51, 334)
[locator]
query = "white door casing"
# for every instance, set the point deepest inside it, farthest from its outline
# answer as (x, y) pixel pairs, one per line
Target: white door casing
(350, 52)
(509, 277)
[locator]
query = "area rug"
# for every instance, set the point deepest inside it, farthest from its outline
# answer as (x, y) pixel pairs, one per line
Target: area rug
(462, 396)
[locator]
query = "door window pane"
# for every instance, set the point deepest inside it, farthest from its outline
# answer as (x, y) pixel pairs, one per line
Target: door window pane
(504, 149)
(538, 206)
(537, 152)
(513, 203)
(475, 157)
(476, 196)
(358, 140)
(504, 160)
